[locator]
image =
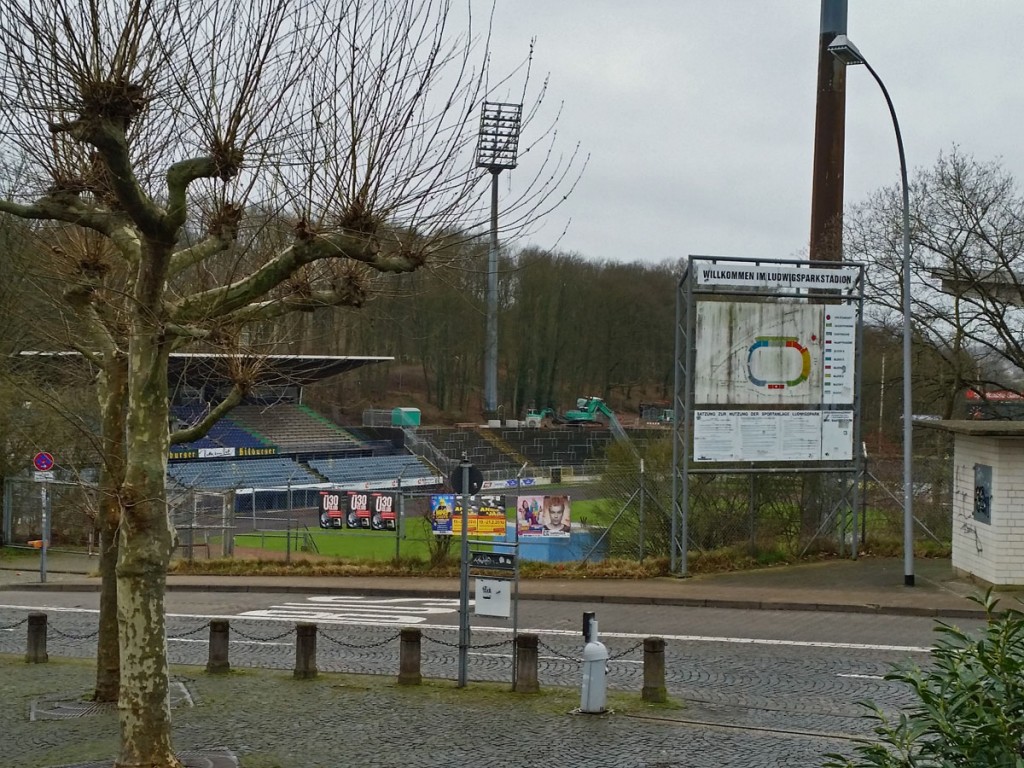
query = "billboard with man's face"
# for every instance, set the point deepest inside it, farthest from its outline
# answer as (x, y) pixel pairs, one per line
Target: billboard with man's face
(543, 515)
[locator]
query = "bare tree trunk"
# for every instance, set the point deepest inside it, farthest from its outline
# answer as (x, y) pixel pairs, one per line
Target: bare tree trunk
(146, 545)
(108, 656)
(113, 401)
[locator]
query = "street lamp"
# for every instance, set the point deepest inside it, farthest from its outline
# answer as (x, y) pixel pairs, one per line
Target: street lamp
(496, 150)
(846, 52)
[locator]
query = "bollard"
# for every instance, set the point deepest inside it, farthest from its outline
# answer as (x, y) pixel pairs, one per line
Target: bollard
(526, 664)
(305, 651)
(654, 671)
(219, 639)
(409, 657)
(35, 652)
(593, 691)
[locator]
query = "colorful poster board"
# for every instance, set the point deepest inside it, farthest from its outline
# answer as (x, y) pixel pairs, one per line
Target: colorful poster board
(485, 517)
(544, 515)
(368, 510)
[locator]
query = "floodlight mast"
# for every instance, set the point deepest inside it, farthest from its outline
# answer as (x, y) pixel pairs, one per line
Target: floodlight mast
(847, 53)
(497, 150)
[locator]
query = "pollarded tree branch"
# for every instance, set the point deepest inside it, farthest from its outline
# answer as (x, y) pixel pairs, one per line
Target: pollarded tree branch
(179, 176)
(351, 294)
(226, 300)
(216, 413)
(110, 140)
(70, 210)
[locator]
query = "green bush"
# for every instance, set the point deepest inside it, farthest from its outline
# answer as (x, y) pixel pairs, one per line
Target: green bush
(969, 708)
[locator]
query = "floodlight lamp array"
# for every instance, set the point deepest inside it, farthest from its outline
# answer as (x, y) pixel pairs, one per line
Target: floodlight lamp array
(498, 144)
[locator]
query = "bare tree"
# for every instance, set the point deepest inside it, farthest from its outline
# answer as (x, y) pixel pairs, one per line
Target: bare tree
(223, 164)
(967, 236)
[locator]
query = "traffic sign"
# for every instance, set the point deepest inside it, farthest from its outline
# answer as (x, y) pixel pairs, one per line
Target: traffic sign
(476, 479)
(43, 461)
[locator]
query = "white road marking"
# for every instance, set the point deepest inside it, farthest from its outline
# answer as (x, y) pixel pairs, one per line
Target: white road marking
(354, 608)
(862, 677)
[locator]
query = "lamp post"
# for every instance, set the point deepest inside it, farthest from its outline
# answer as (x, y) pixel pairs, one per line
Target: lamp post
(844, 50)
(496, 150)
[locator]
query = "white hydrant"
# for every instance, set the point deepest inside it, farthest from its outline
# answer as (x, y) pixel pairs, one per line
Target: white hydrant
(595, 662)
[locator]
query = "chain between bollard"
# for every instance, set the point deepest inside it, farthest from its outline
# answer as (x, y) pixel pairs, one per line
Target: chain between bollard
(71, 635)
(15, 625)
(472, 646)
(195, 631)
(558, 653)
(626, 652)
(492, 645)
(274, 638)
(430, 639)
(357, 646)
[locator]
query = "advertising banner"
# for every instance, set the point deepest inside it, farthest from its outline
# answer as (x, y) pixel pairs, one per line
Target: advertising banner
(373, 509)
(486, 515)
(370, 510)
(543, 515)
(331, 513)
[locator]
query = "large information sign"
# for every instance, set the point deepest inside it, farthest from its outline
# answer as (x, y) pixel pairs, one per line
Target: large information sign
(773, 361)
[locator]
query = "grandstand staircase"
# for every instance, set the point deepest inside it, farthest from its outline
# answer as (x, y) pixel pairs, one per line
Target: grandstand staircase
(495, 439)
(427, 451)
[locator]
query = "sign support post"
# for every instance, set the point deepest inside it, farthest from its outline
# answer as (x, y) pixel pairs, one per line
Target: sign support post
(464, 637)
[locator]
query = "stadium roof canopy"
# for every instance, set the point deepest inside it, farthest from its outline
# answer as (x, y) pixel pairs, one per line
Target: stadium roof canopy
(199, 369)
(274, 370)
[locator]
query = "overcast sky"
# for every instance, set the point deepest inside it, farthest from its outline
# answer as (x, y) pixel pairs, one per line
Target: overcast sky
(698, 115)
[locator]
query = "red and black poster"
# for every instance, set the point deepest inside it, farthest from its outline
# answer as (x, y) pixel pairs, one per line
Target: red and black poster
(375, 510)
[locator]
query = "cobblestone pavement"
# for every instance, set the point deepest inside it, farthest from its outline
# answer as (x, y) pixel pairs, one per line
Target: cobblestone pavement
(741, 705)
(269, 719)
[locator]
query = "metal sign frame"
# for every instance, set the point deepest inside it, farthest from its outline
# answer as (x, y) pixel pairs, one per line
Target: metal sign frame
(774, 282)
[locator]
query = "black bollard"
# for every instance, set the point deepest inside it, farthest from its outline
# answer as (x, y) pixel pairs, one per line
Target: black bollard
(219, 639)
(35, 652)
(409, 657)
(526, 664)
(305, 651)
(654, 671)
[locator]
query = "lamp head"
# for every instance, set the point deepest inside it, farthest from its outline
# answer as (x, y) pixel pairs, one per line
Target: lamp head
(843, 49)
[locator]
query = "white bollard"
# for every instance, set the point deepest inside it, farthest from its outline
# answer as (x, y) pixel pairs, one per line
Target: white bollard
(593, 696)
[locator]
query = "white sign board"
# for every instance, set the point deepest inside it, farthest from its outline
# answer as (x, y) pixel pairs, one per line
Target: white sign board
(838, 357)
(749, 275)
(758, 353)
(493, 597)
(772, 436)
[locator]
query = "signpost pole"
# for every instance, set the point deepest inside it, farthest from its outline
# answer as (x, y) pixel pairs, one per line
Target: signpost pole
(43, 464)
(464, 575)
(44, 492)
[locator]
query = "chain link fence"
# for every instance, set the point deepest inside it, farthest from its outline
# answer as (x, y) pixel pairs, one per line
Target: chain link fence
(72, 507)
(622, 507)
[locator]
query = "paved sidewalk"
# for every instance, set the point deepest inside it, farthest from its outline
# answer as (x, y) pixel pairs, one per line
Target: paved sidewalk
(866, 585)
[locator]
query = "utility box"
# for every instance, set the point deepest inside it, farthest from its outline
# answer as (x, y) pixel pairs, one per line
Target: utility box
(988, 499)
(405, 417)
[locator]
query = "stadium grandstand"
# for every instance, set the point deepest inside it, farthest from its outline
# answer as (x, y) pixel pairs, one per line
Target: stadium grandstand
(273, 443)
